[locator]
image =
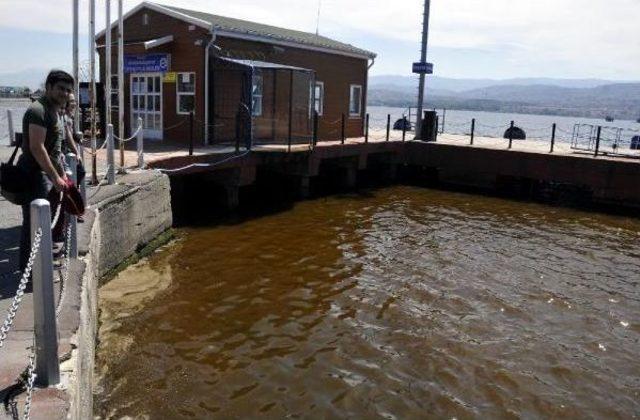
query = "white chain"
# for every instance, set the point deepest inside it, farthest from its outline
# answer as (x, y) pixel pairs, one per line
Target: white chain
(133, 136)
(64, 277)
(31, 379)
(54, 222)
(17, 299)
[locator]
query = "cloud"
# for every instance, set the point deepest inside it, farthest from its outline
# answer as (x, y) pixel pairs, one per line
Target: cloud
(576, 37)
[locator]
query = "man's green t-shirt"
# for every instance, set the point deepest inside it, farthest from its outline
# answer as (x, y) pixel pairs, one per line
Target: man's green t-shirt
(43, 114)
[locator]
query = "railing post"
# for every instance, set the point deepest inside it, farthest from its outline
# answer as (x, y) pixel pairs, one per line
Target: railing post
(553, 137)
(511, 134)
(12, 133)
(111, 173)
(404, 127)
(598, 141)
(191, 133)
(473, 130)
(388, 125)
(342, 129)
(366, 129)
(315, 127)
(44, 307)
(83, 184)
(72, 161)
(140, 144)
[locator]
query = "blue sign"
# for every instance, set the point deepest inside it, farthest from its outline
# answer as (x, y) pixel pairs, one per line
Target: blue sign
(426, 68)
(146, 63)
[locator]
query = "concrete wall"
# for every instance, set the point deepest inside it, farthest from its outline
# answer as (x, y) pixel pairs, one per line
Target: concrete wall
(122, 219)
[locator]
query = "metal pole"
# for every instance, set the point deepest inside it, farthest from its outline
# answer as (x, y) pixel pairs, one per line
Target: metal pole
(44, 307)
(598, 141)
(404, 127)
(423, 59)
(72, 161)
(191, 133)
(388, 125)
(92, 88)
(76, 80)
(111, 172)
(290, 110)
(140, 144)
(553, 137)
(366, 131)
(121, 82)
(342, 128)
(12, 133)
(511, 135)
(473, 129)
(107, 71)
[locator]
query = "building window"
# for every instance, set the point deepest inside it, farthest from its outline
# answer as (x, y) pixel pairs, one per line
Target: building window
(256, 95)
(145, 19)
(318, 97)
(186, 93)
(355, 101)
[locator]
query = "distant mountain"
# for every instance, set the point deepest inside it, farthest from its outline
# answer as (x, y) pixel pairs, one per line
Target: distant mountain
(33, 78)
(583, 98)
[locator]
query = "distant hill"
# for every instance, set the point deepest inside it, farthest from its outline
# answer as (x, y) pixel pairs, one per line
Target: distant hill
(577, 97)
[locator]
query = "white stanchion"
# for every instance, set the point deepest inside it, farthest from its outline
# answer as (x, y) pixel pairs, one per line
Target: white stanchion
(140, 141)
(111, 172)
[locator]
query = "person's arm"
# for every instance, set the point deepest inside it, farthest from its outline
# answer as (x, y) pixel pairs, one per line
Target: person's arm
(71, 142)
(37, 135)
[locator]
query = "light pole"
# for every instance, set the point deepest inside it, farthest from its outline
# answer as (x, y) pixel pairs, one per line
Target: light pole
(423, 59)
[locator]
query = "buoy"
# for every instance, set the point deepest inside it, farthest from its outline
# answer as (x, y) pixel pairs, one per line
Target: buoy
(517, 133)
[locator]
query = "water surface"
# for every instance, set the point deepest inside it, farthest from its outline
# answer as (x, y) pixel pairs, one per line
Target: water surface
(399, 303)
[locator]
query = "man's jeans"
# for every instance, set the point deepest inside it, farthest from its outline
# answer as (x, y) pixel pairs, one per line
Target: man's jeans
(41, 185)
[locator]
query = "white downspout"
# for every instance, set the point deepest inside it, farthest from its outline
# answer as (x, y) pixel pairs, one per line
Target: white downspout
(206, 86)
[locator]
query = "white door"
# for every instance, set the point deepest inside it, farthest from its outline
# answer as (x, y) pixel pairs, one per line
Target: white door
(146, 103)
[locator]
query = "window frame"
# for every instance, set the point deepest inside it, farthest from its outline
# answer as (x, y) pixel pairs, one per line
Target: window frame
(257, 75)
(352, 88)
(179, 93)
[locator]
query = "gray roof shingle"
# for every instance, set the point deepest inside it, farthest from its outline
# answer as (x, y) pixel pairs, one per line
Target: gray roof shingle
(244, 27)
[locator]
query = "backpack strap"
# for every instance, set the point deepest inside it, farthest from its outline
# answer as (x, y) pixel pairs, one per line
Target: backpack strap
(13, 155)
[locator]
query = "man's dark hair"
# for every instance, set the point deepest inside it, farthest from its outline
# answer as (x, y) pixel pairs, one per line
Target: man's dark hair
(56, 76)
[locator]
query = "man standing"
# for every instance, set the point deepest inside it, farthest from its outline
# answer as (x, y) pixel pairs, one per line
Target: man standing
(43, 133)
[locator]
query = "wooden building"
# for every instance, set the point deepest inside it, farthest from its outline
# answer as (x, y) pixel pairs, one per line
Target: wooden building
(240, 78)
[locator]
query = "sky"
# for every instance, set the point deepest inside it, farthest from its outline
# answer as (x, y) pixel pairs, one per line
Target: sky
(495, 39)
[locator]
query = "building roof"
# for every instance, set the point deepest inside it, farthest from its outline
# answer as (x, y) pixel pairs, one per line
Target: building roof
(237, 28)
(226, 26)
(263, 65)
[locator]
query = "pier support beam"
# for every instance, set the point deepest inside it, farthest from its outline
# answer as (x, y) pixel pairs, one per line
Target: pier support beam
(232, 197)
(350, 177)
(304, 186)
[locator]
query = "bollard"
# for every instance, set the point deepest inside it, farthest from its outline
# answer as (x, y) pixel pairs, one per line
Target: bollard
(94, 161)
(343, 136)
(553, 137)
(72, 161)
(366, 129)
(44, 306)
(388, 125)
(191, 133)
(83, 185)
(140, 144)
(598, 141)
(111, 173)
(473, 130)
(511, 135)
(12, 133)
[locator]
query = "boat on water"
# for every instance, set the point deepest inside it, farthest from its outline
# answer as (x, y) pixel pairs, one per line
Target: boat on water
(608, 118)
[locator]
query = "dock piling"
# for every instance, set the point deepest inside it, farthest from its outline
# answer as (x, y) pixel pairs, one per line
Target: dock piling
(404, 128)
(388, 126)
(44, 308)
(366, 129)
(598, 141)
(553, 137)
(511, 135)
(12, 133)
(473, 130)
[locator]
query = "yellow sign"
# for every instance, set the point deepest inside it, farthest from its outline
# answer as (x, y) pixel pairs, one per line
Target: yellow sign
(170, 77)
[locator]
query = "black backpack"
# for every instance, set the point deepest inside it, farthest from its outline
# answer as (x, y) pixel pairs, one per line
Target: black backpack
(14, 181)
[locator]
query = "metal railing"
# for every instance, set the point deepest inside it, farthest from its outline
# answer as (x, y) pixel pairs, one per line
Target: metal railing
(43, 367)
